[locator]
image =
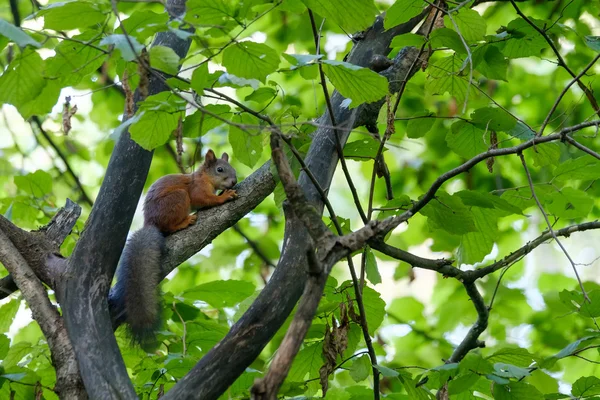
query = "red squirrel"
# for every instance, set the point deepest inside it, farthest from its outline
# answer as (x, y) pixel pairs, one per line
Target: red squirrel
(166, 210)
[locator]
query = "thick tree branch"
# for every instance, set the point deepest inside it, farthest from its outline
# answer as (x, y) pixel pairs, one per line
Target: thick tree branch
(84, 286)
(68, 380)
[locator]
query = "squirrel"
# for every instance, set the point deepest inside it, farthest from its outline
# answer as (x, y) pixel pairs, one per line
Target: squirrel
(166, 210)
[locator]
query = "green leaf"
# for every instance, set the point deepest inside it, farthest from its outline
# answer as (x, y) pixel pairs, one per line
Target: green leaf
(517, 391)
(200, 78)
(164, 59)
(490, 61)
(449, 213)
(307, 361)
(374, 308)
(512, 355)
(75, 60)
(23, 80)
(544, 154)
(129, 49)
(419, 125)
(71, 15)
(360, 85)
(15, 354)
(364, 149)
(521, 39)
(250, 60)
(586, 386)
(387, 372)
(221, 294)
(510, 371)
(198, 123)
(371, 267)
(409, 40)
(360, 368)
(142, 24)
(402, 11)
(475, 363)
(17, 35)
(262, 95)
(493, 118)
(487, 200)
(445, 37)
(4, 346)
(357, 15)
(462, 383)
(521, 131)
(470, 24)
(593, 42)
(582, 168)
(37, 184)
(301, 60)
(208, 12)
(153, 129)
(445, 76)
(569, 203)
(247, 145)
(466, 140)
(7, 314)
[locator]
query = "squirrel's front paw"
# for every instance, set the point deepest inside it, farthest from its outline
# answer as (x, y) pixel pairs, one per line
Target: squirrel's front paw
(230, 194)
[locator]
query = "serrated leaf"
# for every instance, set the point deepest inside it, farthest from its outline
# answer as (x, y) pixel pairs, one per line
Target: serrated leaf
(512, 355)
(371, 267)
(7, 314)
(4, 346)
(360, 85)
(142, 24)
(470, 24)
(71, 15)
(307, 361)
(200, 78)
(462, 383)
(387, 372)
(569, 203)
(466, 140)
(221, 294)
(129, 47)
(360, 368)
(517, 391)
(153, 129)
(75, 60)
(490, 61)
(17, 35)
(374, 308)
(262, 95)
(521, 40)
(544, 154)
(402, 11)
(445, 37)
(250, 60)
(449, 213)
(15, 354)
(586, 386)
(198, 123)
(445, 76)
(521, 131)
(493, 118)
(164, 59)
(474, 246)
(301, 60)
(582, 168)
(487, 200)
(364, 149)
(510, 371)
(37, 184)
(247, 145)
(23, 79)
(208, 12)
(593, 42)
(357, 15)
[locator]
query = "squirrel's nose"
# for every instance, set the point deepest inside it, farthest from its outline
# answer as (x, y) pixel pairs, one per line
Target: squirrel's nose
(234, 181)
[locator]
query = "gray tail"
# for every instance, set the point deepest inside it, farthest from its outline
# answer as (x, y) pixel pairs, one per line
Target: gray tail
(138, 277)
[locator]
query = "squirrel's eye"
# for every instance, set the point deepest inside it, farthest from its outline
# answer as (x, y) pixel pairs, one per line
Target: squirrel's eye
(219, 169)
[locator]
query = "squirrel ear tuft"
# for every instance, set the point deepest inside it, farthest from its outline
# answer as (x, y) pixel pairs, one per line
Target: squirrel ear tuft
(225, 157)
(210, 157)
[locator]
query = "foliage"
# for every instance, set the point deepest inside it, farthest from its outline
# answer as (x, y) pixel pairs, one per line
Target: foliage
(489, 85)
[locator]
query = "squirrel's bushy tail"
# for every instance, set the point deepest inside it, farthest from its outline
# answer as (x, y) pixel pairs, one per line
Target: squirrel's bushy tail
(137, 289)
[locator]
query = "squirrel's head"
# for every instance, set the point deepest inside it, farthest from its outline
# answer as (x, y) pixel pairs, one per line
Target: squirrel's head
(220, 170)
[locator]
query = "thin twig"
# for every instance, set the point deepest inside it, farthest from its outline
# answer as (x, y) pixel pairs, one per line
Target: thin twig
(537, 201)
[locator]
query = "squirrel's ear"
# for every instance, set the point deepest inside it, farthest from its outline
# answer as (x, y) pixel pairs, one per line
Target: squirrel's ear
(210, 157)
(225, 157)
